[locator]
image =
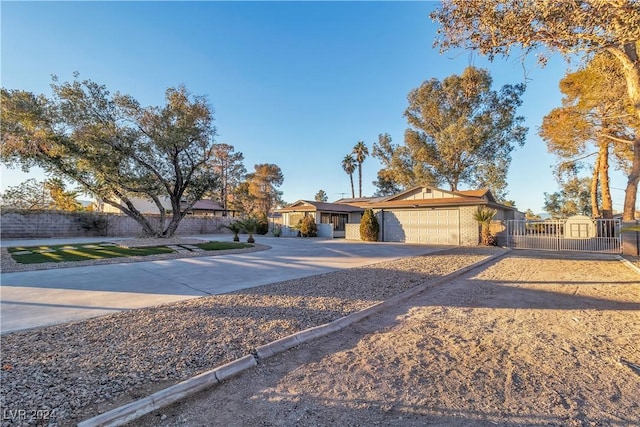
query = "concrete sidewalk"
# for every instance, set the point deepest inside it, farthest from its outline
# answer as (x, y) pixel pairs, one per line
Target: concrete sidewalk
(38, 298)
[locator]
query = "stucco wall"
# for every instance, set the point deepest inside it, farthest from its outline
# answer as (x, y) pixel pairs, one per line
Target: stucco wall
(36, 224)
(325, 230)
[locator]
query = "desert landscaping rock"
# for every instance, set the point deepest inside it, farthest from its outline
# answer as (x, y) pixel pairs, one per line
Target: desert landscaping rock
(532, 339)
(84, 368)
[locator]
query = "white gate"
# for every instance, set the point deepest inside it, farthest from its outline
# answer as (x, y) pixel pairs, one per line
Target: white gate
(573, 234)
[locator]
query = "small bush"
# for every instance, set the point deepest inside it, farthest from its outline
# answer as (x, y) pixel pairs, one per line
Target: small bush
(308, 227)
(369, 227)
(263, 225)
(94, 224)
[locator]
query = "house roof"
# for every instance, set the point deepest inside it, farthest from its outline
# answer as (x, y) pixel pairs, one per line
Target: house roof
(484, 192)
(404, 199)
(312, 206)
(207, 205)
(358, 201)
(446, 201)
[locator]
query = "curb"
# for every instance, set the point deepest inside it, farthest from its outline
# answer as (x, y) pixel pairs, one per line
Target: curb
(134, 410)
(628, 264)
(162, 398)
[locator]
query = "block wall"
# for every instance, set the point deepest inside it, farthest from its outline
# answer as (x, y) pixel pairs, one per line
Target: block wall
(469, 228)
(41, 224)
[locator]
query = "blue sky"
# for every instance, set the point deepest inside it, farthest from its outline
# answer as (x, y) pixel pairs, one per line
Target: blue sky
(297, 84)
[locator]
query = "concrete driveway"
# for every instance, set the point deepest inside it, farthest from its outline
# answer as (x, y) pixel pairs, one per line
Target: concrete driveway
(38, 298)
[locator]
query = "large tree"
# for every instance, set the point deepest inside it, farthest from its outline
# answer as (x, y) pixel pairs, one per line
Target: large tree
(494, 27)
(463, 131)
(113, 147)
(321, 196)
(594, 116)
(400, 170)
(227, 165)
(263, 190)
(572, 199)
(349, 166)
(360, 152)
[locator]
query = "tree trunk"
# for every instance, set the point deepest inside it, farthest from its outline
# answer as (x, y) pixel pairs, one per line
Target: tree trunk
(630, 65)
(595, 209)
(603, 166)
(353, 191)
(631, 192)
(173, 225)
(359, 179)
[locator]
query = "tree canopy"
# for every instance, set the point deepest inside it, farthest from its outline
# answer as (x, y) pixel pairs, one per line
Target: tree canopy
(262, 189)
(50, 194)
(572, 199)
(400, 170)
(462, 131)
(349, 166)
(227, 165)
(494, 27)
(321, 196)
(113, 147)
(595, 116)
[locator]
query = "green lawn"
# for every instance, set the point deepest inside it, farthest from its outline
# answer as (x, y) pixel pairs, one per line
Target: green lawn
(93, 251)
(220, 246)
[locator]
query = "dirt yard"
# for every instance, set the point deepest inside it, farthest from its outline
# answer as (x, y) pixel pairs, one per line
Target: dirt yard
(532, 339)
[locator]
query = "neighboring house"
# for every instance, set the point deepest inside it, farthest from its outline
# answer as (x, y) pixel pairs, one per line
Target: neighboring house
(331, 218)
(147, 206)
(208, 207)
(144, 206)
(421, 214)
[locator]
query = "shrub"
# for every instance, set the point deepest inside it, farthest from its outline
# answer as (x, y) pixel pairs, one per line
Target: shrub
(369, 227)
(308, 227)
(94, 224)
(262, 225)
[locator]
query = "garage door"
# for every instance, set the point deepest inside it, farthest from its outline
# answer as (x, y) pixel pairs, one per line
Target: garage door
(422, 226)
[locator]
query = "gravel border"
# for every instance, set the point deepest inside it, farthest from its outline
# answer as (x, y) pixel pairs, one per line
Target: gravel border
(77, 370)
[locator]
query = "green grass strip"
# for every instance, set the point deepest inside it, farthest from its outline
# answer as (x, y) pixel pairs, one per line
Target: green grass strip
(63, 253)
(221, 246)
(93, 251)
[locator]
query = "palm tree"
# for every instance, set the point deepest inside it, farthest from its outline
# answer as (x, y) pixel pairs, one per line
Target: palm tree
(361, 152)
(235, 228)
(249, 225)
(484, 216)
(349, 166)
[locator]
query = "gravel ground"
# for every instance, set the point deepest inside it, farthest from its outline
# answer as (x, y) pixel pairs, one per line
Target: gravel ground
(530, 339)
(74, 371)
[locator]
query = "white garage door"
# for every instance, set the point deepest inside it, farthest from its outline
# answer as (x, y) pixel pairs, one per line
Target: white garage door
(422, 226)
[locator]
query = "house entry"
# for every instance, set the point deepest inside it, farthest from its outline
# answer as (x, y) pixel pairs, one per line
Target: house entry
(338, 220)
